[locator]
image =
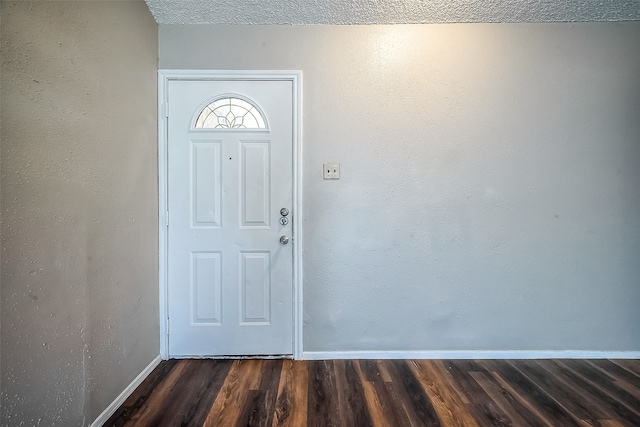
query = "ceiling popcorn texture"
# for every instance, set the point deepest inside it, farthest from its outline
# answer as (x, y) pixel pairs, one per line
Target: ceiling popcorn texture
(342, 12)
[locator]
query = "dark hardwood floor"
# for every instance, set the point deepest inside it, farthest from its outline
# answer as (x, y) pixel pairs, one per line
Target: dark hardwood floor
(355, 393)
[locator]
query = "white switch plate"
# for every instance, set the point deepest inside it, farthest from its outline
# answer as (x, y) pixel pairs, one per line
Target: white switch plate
(331, 170)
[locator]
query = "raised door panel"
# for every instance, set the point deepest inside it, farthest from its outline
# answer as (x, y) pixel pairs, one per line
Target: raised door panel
(205, 184)
(255, 288)
(206, 288)
(254, 180)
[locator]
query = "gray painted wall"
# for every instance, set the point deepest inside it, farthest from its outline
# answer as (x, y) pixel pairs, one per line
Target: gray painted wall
(79, 207)
(490, 190)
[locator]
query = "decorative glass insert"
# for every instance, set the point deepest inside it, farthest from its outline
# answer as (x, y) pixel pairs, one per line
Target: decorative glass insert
(230, 113)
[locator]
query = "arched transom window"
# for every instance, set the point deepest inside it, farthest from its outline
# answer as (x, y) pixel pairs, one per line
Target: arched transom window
(231, 113)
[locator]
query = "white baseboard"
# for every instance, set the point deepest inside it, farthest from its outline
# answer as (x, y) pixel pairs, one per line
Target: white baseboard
(470, 354)
(111, 409)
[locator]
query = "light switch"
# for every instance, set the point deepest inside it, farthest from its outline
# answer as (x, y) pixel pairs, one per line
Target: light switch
(331, 170)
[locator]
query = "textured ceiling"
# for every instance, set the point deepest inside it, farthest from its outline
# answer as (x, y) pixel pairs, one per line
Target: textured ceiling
(312, 12)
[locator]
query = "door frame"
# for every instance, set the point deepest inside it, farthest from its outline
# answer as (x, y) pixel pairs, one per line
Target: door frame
(164, 77)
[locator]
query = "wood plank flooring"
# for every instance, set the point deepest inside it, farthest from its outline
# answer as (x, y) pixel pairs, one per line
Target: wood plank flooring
(353, 393)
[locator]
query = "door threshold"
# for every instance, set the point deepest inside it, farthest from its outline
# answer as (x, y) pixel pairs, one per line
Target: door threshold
(237, 357)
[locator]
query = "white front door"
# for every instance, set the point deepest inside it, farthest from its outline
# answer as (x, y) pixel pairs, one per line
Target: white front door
(230, 173)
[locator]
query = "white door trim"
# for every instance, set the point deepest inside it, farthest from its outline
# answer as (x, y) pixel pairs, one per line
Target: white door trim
(164, 76)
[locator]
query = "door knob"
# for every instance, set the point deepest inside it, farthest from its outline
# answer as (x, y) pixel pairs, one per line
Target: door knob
(284, 211)
(284, 240)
